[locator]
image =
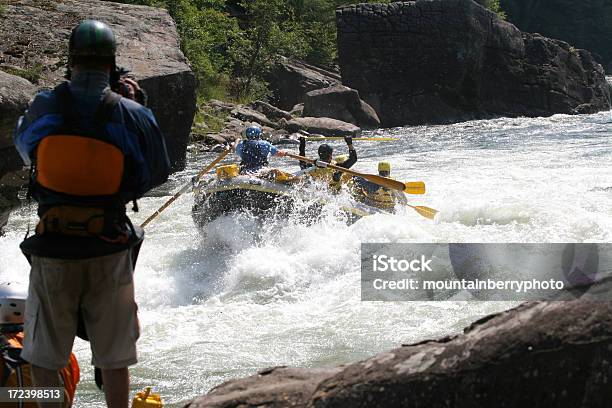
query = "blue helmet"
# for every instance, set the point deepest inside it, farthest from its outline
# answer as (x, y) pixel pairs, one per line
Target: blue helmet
(252, 132)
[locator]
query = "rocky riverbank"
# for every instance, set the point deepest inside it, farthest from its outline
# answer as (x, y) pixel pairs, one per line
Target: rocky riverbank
(322, 107)
(544, 355)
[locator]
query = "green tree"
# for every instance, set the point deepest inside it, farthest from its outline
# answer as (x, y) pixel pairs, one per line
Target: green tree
(270, 31)
(492, 5)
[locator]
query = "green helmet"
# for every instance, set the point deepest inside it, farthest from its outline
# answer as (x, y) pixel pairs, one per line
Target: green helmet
(93, 39)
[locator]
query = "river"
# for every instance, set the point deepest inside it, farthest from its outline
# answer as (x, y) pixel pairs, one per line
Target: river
(248, 295)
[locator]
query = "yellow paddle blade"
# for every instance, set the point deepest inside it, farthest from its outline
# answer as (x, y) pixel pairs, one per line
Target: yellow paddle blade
(414, 187)
(424, 211)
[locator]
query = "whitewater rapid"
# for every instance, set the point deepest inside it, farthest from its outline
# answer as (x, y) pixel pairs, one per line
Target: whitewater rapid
(249, 294)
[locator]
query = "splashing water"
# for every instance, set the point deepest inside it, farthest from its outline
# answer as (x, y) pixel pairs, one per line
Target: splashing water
(251, 293)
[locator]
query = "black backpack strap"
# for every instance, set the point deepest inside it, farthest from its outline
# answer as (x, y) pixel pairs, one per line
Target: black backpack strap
(105, 110)
(64, 97)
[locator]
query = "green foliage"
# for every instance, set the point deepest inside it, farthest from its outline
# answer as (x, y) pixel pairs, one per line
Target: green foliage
(31, 73)
(492, 5)
(270, 31)
(231, 56)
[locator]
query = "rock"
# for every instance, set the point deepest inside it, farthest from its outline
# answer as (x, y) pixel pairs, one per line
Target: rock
(444, 61)
(271, 112)
(342, 103)
(10, 184)
(585, 24)
(297, 110)
(220, 106)
(290, 80)
(540, 355)
(249, 115)
(15, 93)
(288, 387)
(322, 126)
(148, 45)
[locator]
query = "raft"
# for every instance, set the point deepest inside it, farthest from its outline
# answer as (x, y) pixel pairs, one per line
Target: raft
(262, 195)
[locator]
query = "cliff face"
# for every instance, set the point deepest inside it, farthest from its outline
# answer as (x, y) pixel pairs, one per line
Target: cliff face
(34, 44)
(585, 23)
(443, 61)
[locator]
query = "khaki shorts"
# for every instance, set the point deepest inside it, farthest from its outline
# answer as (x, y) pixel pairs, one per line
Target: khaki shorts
(103, 289)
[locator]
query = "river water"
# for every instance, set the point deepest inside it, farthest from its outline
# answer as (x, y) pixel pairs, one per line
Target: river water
(249, 294)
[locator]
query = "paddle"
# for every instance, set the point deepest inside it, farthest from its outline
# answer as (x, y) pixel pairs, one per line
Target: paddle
(426, 212)
(413, 187)
(369, 139)
(187, 186)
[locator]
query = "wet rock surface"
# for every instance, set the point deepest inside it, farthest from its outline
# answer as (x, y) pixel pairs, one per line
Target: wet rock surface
(538, 355)
(34, 44)
(322, 126)
(444, 61)
(290, 80)
(342, 103)
(15, 93)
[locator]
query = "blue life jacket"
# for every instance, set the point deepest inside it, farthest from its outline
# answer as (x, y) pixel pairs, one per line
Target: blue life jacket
(255, 154)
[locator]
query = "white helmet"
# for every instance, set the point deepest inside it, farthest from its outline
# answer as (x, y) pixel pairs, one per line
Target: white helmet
(12, 303)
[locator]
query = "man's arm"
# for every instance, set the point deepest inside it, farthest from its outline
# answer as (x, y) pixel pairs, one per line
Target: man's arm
(240, 149)
(41, 119)
(302, 153)
(352, 154)
(153, 148)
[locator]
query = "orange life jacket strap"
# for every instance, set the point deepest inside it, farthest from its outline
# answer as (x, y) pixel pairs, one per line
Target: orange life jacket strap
(79, 165)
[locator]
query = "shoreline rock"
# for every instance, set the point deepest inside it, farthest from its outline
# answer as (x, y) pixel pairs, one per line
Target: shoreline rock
(342, 103)
(539, 354)
(446, 61)
(34, 42)
(290, 80)
(585, 24)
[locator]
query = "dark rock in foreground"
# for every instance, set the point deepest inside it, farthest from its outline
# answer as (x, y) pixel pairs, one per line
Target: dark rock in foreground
(34, 44)
(342, 103)
(291, 80)
(539, 355)
(277, 387)
(444, 61)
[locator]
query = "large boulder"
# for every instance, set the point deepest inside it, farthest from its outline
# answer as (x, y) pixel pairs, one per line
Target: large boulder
(321, 126)
(443, 61)
(34, 43)
(276, 387)
(585, 24)
(290, 80)
(539, 355)
(15, 93)
(342, 103)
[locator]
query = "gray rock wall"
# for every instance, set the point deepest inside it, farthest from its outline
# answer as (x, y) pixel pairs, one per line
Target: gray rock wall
(443, 61)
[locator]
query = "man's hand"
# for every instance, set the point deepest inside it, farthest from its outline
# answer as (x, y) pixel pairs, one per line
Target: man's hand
(348, 140)
(129, 88)
(281, 153)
